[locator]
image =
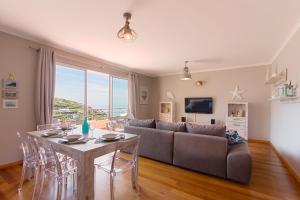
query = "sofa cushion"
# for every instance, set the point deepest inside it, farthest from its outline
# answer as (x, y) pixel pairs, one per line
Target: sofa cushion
(171, 126)
(146, 123)
(239, 163)
(213, 130)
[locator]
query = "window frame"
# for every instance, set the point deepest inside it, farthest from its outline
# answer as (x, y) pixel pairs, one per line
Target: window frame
(85, 70)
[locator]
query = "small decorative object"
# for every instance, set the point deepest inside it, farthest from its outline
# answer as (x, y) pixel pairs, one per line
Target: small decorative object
(212, 121)
(281, 90)
(290, 90)
(237, 93)
(85, 126)
(198, 83)
(183, 119)
(9, 92)
(7, 103)
(144, 95)
(170, 95)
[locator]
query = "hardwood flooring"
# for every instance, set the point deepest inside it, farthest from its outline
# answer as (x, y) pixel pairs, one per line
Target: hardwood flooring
(270, 180)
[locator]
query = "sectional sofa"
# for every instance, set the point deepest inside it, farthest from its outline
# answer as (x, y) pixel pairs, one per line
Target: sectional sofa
(202, 148)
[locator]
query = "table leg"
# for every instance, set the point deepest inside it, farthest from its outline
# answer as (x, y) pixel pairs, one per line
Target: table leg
(85, 184)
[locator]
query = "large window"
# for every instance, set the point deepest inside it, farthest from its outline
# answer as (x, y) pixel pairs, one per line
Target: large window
(69, 94)
(120, 97)
(80, 92)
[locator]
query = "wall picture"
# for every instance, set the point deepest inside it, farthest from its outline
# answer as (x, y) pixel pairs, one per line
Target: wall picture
(144, 95)
(9, 84)
(8, 103)
(9, 94)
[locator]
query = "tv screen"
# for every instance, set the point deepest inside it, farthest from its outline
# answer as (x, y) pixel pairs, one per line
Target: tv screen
(198, 105)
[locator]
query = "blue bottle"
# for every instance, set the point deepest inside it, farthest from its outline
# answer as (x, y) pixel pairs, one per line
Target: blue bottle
(85, 126)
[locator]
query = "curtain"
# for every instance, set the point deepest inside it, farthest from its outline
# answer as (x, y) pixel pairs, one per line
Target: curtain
(133, 86)
(45, 85)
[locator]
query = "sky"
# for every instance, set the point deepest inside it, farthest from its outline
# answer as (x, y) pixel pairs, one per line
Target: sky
(70, 85)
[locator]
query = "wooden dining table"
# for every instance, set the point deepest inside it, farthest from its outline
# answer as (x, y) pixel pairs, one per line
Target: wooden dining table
(85, 154)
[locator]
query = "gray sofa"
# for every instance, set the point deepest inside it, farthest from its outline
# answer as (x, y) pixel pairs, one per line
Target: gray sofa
(202, 148)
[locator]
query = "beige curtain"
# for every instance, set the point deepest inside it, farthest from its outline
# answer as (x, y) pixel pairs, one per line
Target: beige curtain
(133, 92)
(45, 85)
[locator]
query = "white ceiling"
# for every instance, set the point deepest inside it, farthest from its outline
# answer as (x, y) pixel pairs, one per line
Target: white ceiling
(222, 34)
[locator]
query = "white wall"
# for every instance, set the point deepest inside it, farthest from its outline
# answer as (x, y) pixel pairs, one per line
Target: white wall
(18, 59)
(285, 118)
(217, 84)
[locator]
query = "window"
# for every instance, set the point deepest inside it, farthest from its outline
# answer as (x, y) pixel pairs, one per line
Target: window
(69, 94)
(119, 97)
(80, 92)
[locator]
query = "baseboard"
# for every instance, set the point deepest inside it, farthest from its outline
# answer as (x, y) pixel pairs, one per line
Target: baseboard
(19, 162)
(286, 163)
(259, 141)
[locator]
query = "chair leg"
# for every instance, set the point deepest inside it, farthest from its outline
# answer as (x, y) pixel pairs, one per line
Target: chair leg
(59, 190)
(36, 181)
(22, 176)
(42, 177)
(134, 177)
(112, 176)
(74, 177)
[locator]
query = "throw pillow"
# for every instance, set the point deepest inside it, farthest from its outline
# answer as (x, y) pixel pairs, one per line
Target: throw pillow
(233, 137)
(213, 130)
(146, 123)
(176, 127)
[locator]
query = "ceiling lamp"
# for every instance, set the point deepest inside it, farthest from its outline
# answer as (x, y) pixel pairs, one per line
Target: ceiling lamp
(186, 74)
(126, 33)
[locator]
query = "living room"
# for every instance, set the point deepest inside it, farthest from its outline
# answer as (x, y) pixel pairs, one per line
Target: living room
(207, 92)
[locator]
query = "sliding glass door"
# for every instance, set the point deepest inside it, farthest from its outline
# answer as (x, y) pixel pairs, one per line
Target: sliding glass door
(81, 92)
(119, 97)
(98, 98)
(69, 94)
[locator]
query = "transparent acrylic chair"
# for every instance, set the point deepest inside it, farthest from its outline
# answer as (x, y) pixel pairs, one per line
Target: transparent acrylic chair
(125, 157)
(30, 157)
(51, 166)
(43, 127)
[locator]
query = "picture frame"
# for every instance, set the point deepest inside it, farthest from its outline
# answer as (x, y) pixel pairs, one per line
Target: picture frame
(9, 94)
(144, 95)
(8, 84)
(9, 103)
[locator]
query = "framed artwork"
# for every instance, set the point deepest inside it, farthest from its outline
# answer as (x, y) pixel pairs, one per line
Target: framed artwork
(9, 84)
(144, 95)
(9, 94)
(8, 103)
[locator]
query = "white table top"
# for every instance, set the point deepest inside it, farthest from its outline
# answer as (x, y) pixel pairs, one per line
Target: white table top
(89, 146)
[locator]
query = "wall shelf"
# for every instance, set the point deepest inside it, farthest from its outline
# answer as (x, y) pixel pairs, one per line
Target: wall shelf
(295, 99)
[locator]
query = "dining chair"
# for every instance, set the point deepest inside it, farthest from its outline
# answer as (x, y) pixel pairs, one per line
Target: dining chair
(52, 166)
(30, 158)
(125, 158)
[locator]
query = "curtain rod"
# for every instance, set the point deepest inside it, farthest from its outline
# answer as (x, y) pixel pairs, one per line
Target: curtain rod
(34, 48)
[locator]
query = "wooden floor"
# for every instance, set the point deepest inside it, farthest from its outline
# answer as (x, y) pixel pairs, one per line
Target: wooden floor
(270, 180)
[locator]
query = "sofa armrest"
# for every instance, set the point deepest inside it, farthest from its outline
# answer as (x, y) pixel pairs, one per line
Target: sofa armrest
(201, 153)
(154, 143)
(239, 163)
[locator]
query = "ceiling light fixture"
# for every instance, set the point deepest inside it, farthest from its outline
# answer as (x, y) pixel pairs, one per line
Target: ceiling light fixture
(126, 33)
(186, 74)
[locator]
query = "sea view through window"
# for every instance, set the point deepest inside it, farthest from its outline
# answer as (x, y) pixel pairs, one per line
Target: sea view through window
(70, 102)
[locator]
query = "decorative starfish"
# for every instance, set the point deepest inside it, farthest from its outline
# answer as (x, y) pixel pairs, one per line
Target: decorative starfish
(237, 93)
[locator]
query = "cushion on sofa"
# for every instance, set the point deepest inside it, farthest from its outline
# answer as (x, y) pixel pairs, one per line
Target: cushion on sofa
(146, 123)
(213, 130)
(171, 126)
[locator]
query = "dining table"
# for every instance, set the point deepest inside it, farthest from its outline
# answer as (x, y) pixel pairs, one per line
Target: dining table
(85, 154)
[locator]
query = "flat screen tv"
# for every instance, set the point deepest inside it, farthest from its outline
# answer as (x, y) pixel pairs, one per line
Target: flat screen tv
(199, 105)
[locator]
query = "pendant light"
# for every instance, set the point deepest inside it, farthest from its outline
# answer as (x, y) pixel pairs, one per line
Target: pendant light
(126, 33)
(186, 74)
